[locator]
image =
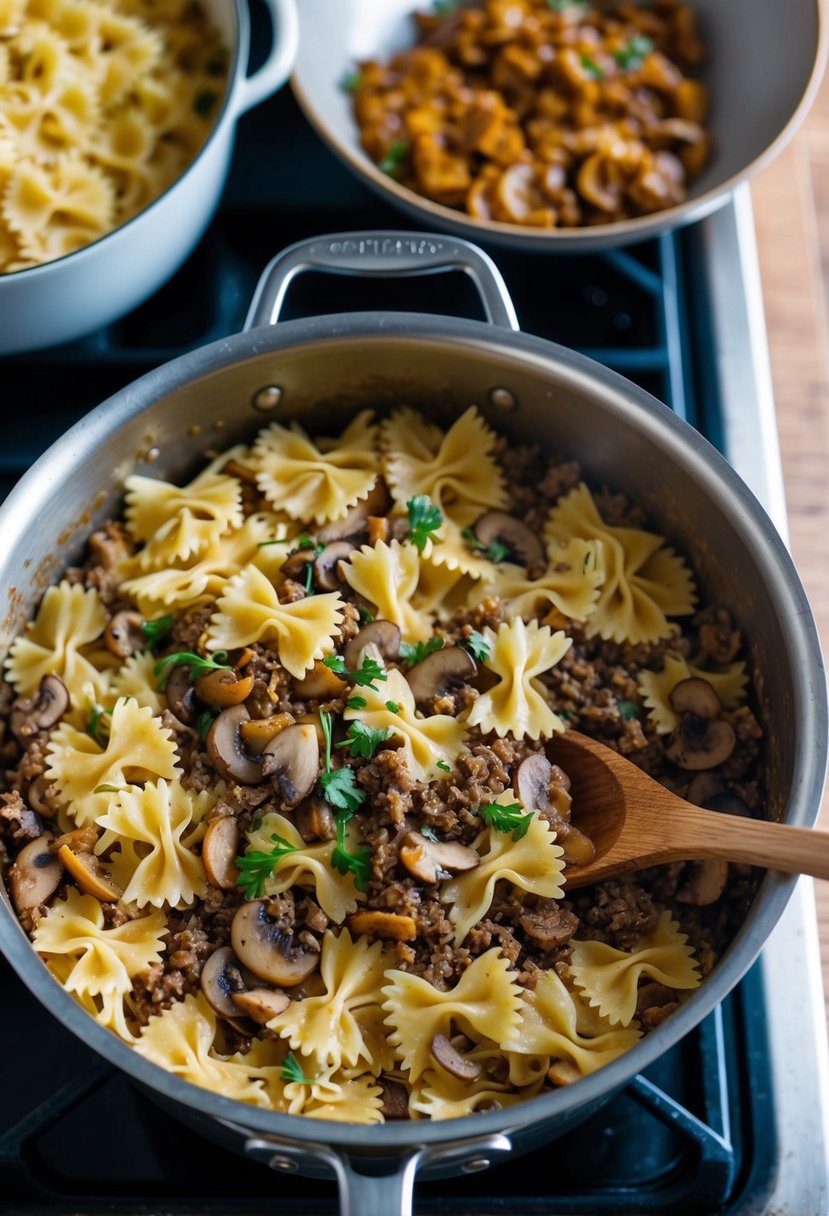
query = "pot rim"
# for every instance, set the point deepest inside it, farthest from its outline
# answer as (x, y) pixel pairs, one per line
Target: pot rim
(690, 450)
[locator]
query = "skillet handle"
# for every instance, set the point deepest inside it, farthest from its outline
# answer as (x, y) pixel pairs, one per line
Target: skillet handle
(385, 255)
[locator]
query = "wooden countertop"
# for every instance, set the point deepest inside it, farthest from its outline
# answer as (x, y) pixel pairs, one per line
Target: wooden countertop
(791, 207)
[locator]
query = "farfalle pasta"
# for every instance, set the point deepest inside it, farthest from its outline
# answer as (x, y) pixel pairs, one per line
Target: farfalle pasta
(101, 108)
(282, 742)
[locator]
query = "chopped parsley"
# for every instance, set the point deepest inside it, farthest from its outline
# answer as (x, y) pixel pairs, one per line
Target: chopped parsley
(256, 866)
(428, 832)
(343, 860)
(304, 541)
(477, 645)
(396, 154)
(292, 1073)
(198, 666)
(392, 707)
(204, 102)
(363, 740)
(424, 519)
(631, 57)
(110, 789)
(205, 720)
(368, 671)
(366, 615)
(414, 653)
(561, 6)
(157, 631)
(495, 551)
(338, 785)
(447, 768)
(628, 710)
(95, 723)
(351, 81)
(509, 818)
(592, 68)
(356, 702)
(588, 560)
(309, 579)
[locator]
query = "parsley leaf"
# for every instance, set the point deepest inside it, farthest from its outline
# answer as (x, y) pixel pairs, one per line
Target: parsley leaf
(368, 671)
(447, 768)
(157, 631)
(356, 702)
(424, 519)
(309, 579)
(198, 666)
(338, 785)
(631, 57)
(205, 720)
(393, 707)
(506, 818)
(304, 541)
(628, 710)
(366, 615)
(292, 1072)
(396, 154)
(495, 551)
(95, 724)
(593, 70)
(364, 740)
(359, 862)
(256, 866)
(414, 653)
(477, 645)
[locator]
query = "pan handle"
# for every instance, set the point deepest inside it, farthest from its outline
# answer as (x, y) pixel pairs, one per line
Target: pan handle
(385, 255)
(388, 1189)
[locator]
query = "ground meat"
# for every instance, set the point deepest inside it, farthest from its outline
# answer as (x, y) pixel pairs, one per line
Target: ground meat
(619, 912)
(550, 926)
(25, 824)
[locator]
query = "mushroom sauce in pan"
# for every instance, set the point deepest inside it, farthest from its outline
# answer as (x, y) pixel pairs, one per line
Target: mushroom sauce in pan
(279, 808)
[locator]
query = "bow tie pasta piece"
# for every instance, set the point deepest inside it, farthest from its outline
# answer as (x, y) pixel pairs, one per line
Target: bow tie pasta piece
(11, 16)
(182, 1040)
(391, 706)
(387, 576)
(355, 1100)
(532, 863)
(179, 522)
(517, 704)
(65, 639)
(126, 49)
(109, 1009)
(570, 583)
(452, 550)
(325, 1026)
(249, 611)
(318, 481)
(437, 1095)
(729, 683)
(609, 978)
(558, 1024)
(139, 749)
(644, 581)
(455, 470)
(137, 679)
(441, 587)
(308, 865)
(152, 863)
(56, 209)
(485, 1003)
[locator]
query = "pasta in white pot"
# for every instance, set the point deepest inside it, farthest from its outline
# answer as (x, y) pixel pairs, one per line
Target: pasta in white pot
(62, 291)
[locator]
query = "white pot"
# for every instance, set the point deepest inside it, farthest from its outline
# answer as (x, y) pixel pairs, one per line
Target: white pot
(62, 300)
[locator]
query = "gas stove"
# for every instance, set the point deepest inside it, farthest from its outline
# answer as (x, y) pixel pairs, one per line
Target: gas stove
(734, 1119)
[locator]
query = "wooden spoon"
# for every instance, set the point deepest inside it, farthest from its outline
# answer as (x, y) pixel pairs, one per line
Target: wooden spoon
(634, 822)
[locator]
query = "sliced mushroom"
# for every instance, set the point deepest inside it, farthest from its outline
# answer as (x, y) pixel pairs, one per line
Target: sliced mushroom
(320, 683)
(382, 637)
(267, 950)
(391, 926)
(562, 1072)
(223, 688)
(291, 760)
(702, 786)
(700, 743)
(439, 672)
(37, 796)
(41, 711)
(224, 747)
(444, 1054)
(523, 544)
(89, 875)
(181, 696)
(314, 819)
(326, 564)
(296, 565)
(532, 782)
(377, 501)
(428, 859)
(123, 635)
(221, 977)
(705, 882)
(695, 696)
(35, 874)
(261, 1004)
(395, 1099)
(79, 840)
(258, 732)
(218, 852)
(578, 849)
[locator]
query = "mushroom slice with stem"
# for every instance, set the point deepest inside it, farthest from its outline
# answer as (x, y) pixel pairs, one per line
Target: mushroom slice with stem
(524, 546)
(292, 761)
(381, 638)
(123, 635)
(265, 948)
(224, 747)
(428, 860)
(450, 1059)
(221, 977)
(218, 852)
(223, 688)
(699, 743)
(261, 1004)
(30, 715)
(440, 672)
(695, 696)
(326, 564)
(89, 875)
(391, 926)
(35, 875)
(542, 786)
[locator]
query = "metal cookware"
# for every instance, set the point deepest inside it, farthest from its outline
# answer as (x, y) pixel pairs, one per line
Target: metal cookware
(319, 371)
(765, 63)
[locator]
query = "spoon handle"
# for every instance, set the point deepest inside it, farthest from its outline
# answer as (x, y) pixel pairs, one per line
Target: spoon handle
(776, 846)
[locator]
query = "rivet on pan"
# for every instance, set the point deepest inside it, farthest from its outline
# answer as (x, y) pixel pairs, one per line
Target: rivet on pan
(503, 400)
(476, 1165)
(284, 1163)
(267, 398)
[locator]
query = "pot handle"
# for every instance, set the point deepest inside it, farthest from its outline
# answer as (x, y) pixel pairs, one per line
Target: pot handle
(280, 60)
(385, 255)
(387, 1190)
